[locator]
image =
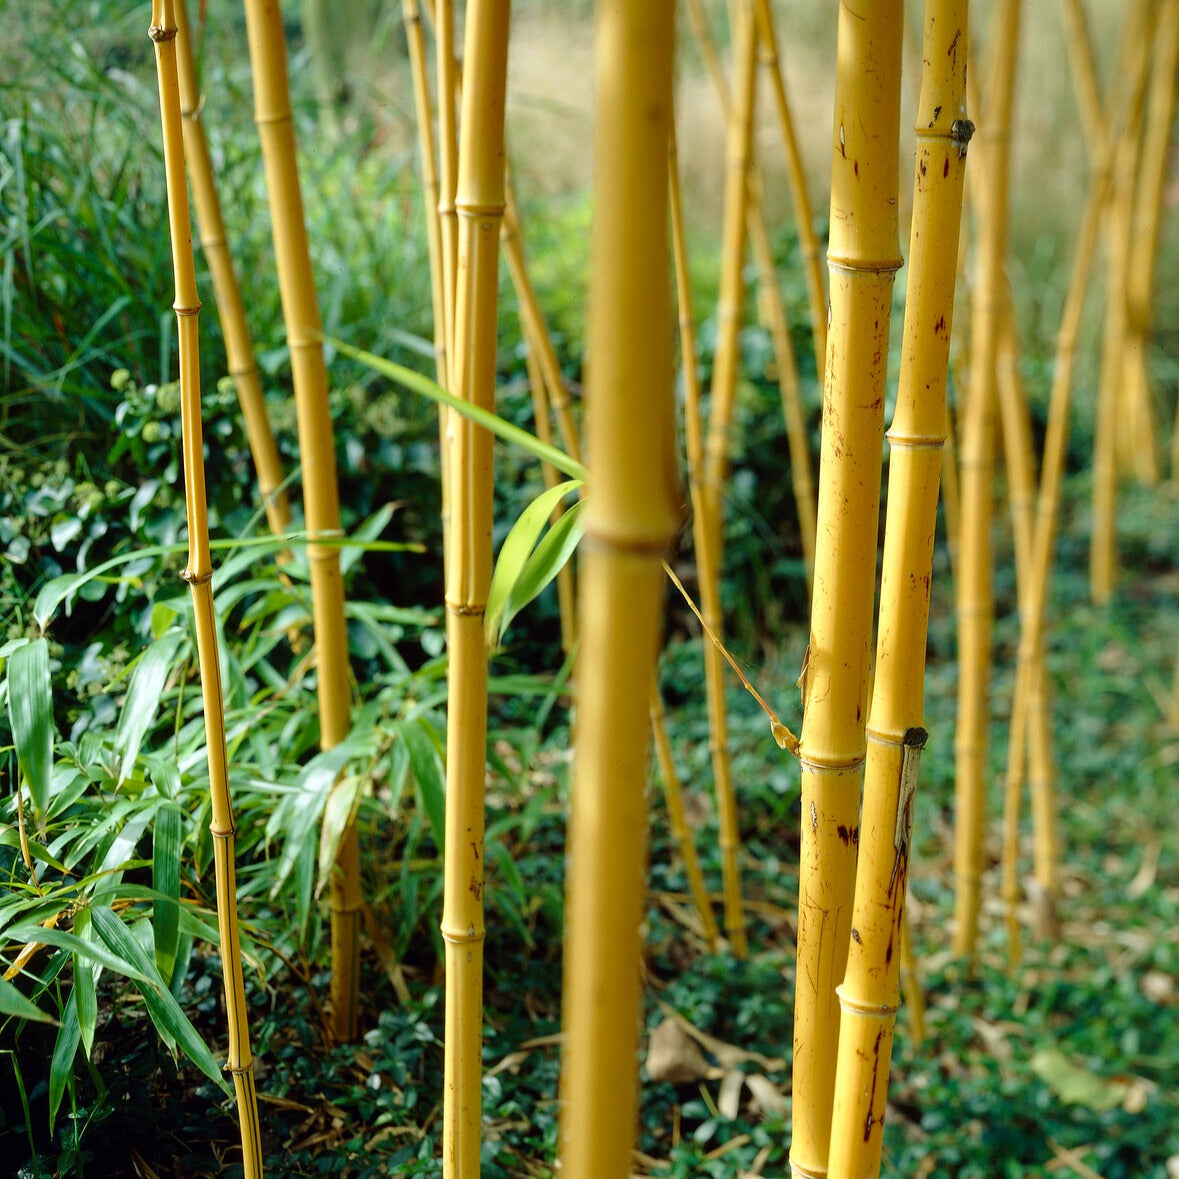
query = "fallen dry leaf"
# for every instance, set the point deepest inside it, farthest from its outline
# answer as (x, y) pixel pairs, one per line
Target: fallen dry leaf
(672, 1055)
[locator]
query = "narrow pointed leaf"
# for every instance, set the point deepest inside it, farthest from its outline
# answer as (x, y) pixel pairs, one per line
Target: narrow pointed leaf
(516, 549)
(14, 1002)
(143, 698)
(166, 844)
(30, 709)
(428, 773)
(61, 1067)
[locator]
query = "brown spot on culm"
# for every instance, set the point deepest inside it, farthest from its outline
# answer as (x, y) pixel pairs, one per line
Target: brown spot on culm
(946, 168)
(855, 935)
(844, 834)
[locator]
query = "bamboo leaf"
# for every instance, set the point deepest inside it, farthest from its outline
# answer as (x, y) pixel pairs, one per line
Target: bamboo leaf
(371, 529)
(546, 561)
(30, 710)
(515, 551)
(165, 879)
(143, 698)
(30, 931)
(428, 773)
(85, 994)
(417, 383)
(165, 1012)
(61, 1067)
(14, 1002)
(338, 814)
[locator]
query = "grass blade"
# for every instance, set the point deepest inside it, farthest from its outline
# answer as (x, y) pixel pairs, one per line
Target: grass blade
(30, 710)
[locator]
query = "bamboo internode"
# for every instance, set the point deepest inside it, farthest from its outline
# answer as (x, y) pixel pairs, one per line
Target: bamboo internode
(870, 991)
(199, 575)
(479, 206)
(862, 260)
(321, 504)
(973, 588)
(632, 516)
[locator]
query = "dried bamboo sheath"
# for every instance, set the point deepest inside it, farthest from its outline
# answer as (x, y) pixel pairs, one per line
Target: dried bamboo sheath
(862, 259)
(199, 575)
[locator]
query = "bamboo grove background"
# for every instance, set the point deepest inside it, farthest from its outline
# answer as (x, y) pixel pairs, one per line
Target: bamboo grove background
(695, 139)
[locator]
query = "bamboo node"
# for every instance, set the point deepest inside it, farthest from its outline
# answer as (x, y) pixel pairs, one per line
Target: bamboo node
(474, 210)
(239, 1070)
(818, 764)
(158, 33)
(272, 120)
(224, 834)
(864, 266)
(465, 937)
(868, 1010)
(900, 441)
(190, 311)
(798, 1171)
(192, 578)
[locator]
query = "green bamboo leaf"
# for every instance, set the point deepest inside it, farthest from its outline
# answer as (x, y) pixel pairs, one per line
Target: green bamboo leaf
(165, 1012)
(61, 1067)
(14, 1002)
(30, 931)
(515, 551)
(371, 529)
(338, 814)
(417, 383)
(143, 698)
(165, 878)
(296, 819)
(85, 994)
(30, 711)
(429, 775)
(547, 560)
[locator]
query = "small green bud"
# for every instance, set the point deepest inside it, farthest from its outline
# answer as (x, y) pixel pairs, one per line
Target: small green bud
(153, 432)
(119, 378)
(168, 398)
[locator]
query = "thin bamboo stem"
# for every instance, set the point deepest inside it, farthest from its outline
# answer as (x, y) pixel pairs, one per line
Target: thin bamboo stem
(1083, 70)
(632, 517)
(1030, 705)
(863, 258)
(804, 218)
(870, 991)
(911, 990)
(973, 589)
(673, 796)
(272, 113)
(199, 575)
(239, 349)
(1111, 442)
(479, 206)
(1148, 208)
(715, 462)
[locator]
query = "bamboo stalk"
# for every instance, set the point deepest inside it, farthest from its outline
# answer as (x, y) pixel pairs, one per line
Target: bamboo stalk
(415, 39)
(1030, 706)
(715, 462)
(272, 113)
(446, 81)
(1152, 181)
(804, 218)
(911, 991)
(673, 796)
(869, 993)
(862, 259)
(1083, 71)
(479, 204)
(198, 573)
(239, 350)
(632, 517)
(973, 591)
(801, 478)
(1110, 435)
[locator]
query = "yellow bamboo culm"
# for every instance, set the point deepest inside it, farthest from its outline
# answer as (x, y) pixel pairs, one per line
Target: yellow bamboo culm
(1111, 443)
(411, 15)
(715, 462)
(681, 833)
(447, 86)
(199, 574)
(239, 351)
(770, 296)
(632, 518)
(973, 589)
(321, 503)
(1030, 707)
(1148, 207)
(869, 993)
(808, 242)
(862, 260)
(479, 205)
